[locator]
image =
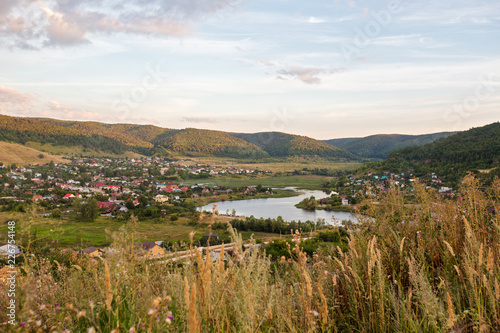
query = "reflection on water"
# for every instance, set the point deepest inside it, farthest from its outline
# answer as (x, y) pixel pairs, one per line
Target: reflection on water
(284, 207)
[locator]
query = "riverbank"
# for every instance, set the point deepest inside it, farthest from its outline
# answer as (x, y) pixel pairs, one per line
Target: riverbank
(277, 193)
(348, 209)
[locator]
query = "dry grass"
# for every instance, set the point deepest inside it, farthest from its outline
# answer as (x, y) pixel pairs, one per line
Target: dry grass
(432, 268)
(21, 155)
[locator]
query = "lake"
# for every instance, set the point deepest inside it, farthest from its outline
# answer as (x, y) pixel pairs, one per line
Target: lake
(284, 207)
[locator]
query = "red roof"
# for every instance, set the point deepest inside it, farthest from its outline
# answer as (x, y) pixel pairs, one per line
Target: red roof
(68, 195)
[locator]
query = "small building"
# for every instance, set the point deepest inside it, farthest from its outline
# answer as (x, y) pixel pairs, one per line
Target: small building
(161, 198)
(152, 249)
(92, 252)
(210, 235)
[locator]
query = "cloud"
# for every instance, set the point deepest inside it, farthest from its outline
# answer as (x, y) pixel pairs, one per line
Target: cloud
(42, 23)
(199, 120)
(14, 102)
(313, 19)
(309, 75)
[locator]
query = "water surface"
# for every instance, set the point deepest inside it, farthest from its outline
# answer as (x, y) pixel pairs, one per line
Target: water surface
(284, 207)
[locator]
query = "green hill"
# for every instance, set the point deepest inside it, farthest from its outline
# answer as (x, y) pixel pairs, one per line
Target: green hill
(278, 144)
(450, 157)
(94, 138)
(380, 146)
(196, 142)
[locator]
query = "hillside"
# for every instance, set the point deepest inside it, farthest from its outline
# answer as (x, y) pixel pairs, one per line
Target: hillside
(88, 135)
(196, 142)
(99, 139)
(15, 153)
(278, 144)
(381, 145)
(451, 157)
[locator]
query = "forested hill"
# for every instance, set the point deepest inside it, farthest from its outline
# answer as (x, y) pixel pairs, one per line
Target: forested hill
(381, 145)
(192, 141)
(451, 157)
(279, 144)
(152, 140)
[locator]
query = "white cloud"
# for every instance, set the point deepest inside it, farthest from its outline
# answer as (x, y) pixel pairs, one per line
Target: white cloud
(70, 22)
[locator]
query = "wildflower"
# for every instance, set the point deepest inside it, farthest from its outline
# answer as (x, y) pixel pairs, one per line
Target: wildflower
(22, 324)
(132, 330)
(165, 308)
(69, 306)
(58, 308)
(42, 307)
(164, 292)
(157, 318)
(38, 323)
(151, 312)
(156, 302)
(315, 313)
(168, 299)
(170, 317)
(168, 321)
(81, 314)
(37, 316)
(56, 304)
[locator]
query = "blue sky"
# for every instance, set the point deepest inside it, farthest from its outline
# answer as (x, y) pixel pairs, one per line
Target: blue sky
(325, 69)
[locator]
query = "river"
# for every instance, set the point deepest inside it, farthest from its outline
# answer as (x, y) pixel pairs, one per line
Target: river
(284, 207)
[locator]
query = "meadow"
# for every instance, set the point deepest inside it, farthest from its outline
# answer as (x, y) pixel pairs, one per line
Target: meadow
(431, 267)
(70, 233)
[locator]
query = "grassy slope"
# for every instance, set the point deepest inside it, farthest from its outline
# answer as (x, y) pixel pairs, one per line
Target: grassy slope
(69, 233)
(77, 151)
(19, 154)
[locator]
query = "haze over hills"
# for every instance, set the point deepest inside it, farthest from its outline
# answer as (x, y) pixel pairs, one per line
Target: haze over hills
(381, 145)
(87, 138)
(451, 157)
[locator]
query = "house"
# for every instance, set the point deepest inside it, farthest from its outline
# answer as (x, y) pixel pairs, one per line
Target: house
(68, 196)
(123, 210)
(10, 250)
(152, 249)
(172, 186)
(92, 252)
(345, 202)
(107, 206)
(161, 198)
(184, 188)
(210, 235)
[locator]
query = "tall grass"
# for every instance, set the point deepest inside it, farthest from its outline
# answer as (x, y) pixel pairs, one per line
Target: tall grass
(431, 266)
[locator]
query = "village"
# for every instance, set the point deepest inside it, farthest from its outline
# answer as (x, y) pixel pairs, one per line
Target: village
(152, 188)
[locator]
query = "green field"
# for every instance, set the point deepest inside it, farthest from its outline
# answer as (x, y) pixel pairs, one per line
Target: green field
(304, 182)
(69, 233)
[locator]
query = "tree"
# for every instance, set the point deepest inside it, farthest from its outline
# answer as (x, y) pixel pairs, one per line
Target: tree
(86, 210)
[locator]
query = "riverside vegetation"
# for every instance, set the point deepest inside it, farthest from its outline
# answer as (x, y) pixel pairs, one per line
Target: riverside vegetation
(432, 266)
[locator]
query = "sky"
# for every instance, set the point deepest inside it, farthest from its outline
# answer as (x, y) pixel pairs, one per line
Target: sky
(325, 69)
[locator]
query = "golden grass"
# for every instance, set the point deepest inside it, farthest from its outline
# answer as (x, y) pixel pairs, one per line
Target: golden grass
(397, 275)
(22, 155)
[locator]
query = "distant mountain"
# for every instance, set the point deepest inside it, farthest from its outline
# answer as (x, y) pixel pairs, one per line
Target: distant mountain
(380, 146)
(117, 139)
(450, 157)
(278, 144)
(192, 141)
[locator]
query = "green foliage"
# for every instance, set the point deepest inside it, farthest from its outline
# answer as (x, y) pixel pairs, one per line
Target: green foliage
(380, 146)
(85, 210)
(278, 144)
(450, 157)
